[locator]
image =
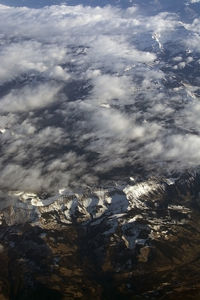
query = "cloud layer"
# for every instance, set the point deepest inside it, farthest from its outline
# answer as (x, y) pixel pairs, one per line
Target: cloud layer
(91, 93)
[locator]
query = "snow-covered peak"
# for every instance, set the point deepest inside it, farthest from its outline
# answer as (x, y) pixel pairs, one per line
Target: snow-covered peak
(89, 204)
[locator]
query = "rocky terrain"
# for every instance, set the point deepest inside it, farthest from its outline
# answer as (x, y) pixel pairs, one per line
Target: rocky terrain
(135, 240)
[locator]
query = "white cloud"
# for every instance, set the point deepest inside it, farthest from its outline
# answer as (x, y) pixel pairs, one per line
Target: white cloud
(29, 98)
(102, 83)
(184, 150)
(108, 87)
(194, 1)
(28, 56)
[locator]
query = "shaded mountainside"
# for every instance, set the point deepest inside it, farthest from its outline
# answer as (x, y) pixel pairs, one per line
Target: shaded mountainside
(128, 241)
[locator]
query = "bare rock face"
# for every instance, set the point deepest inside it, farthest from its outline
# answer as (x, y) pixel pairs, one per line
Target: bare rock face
(125, 241)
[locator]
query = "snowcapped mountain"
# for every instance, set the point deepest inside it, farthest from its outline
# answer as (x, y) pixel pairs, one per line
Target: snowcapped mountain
(102, 240)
